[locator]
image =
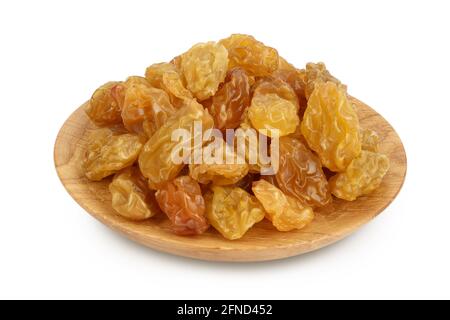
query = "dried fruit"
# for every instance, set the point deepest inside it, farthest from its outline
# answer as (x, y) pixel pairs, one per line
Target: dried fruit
(104, 107)
(271, 179)
(168, 77)
(276, 86)
(146, 105)
(119, 91)
(331, 127)
(182, 201)
(283, 64)
(204, 67)
(155, 160)
(246, 182)
(220, 165)
(300, 174)
(253, 56)
(297, 134)
(176, 62)
(317, 73)
(253, 147)
(232, 211)
(136, 80)
(274, 106)
(131, 197)
(107, 153)
(229, 103)
(285, 212)
(297, 82)
(310, 144)
(362, 176)
(270, 112)
(369, 140)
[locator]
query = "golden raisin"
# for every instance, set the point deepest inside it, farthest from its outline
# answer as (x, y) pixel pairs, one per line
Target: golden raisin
(286, 213)
(155, 160)
(229, 103)
(362, 176)
(331, 127)
(204, 67)
(107, 153)
(232, 211)
(276, 86)
(317, 73)
(296, 81)
(131, 197)
(146, 104)
(370, 140)
(182, 201)
(104, 108)
(300, 174)
(252, 146)
(214, 167)
(168, 77)
(253, 56)
(271, 112)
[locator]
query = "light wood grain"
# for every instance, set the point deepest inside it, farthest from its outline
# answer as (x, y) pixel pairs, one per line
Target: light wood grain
(262, 242)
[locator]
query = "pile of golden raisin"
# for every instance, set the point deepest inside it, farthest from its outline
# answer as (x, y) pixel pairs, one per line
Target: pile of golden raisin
(237, 82)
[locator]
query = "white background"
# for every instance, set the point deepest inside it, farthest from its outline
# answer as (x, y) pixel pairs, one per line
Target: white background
(394, 55)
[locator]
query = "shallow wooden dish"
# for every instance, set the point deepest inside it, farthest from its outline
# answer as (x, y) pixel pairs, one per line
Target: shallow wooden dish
(262, 242)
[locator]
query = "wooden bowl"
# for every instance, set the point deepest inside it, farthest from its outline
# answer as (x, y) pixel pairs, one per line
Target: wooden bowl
(263, 241)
